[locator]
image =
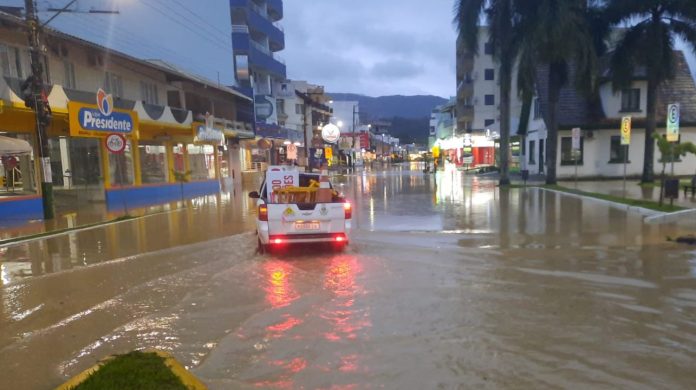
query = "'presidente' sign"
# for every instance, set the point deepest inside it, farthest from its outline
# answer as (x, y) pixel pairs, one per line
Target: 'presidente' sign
(100, 120)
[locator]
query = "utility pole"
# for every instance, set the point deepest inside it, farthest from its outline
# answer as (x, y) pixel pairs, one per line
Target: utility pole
(39, 103)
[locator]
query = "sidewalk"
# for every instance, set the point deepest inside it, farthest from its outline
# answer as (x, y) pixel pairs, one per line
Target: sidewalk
(633, 191)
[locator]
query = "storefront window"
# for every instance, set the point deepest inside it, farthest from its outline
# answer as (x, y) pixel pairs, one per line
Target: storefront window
(85, 168)
(202, 161)
(17, 173)
(121, 167)
(179, 164)
(153, 160)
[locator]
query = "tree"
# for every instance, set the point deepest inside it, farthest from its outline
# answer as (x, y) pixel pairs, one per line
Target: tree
(499, 15)
(648, 43)
(560, 35)
(669, 152)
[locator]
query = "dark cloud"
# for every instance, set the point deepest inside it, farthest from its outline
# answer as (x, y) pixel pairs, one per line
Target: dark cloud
(396, 69)
(372, 47)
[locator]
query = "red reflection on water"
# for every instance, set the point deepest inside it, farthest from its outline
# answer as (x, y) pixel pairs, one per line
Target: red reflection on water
(344, 318)
(278, 330)
(278, 288)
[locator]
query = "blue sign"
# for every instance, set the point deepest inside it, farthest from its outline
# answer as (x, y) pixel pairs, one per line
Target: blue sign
(115, 122)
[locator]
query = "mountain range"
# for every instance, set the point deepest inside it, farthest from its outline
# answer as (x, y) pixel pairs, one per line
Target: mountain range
(410, 115)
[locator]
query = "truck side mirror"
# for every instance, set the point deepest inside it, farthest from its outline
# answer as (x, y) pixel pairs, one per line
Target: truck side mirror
(254, 195)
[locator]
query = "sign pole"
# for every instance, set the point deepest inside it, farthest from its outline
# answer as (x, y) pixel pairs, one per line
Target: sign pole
(625, 142)
(673, 116)
(625, 162)
(575, 150)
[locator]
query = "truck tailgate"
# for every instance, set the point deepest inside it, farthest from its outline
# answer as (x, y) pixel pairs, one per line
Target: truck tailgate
(309, 218)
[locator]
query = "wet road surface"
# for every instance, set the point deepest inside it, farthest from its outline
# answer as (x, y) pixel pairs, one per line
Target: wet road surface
(448, 283)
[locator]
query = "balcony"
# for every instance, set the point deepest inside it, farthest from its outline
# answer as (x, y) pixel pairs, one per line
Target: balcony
(465, 89)
(261, 26)
(261, 59)
(275, 9)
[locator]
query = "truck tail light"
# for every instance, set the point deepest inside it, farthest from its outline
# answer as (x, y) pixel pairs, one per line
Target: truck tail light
(348, 209)
(263, 213)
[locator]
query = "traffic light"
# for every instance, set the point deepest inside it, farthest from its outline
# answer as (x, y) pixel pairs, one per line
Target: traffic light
(28, 93)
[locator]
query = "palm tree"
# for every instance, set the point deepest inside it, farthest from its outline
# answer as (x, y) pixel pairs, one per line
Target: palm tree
(649, 42)
(555, 34)
(499, 15)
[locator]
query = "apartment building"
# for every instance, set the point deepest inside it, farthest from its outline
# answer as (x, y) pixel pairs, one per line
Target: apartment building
(478, 90)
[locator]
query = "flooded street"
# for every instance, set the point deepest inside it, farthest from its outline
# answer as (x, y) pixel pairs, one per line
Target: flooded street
(448, 282)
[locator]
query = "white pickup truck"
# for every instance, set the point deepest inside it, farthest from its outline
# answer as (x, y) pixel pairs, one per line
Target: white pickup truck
(281, 223)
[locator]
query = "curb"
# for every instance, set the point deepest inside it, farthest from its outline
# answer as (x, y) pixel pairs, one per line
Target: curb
(646, 213)
(76, 229)
(188, 379)
(669, 217)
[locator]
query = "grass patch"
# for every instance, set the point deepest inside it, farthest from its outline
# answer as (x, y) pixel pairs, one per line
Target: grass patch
(646, 204)
(656, 183)
(135, 370)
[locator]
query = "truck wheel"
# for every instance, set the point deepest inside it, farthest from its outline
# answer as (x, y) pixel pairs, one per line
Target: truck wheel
(261, 248)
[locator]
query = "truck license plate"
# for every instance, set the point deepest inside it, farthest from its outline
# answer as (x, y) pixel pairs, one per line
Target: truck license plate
(307, 225)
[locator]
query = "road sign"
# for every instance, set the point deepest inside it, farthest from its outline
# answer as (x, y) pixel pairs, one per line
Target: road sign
(673, 122)
(116, 143)
(576, 138)
(626, 130)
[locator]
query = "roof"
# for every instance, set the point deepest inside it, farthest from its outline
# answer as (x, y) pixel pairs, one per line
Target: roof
(159, 65)
(171, 68)
(578, 110)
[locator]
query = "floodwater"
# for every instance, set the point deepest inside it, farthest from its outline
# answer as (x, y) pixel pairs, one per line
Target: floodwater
(448, 283)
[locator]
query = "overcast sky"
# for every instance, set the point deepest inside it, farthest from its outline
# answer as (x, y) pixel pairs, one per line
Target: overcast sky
(373, 47)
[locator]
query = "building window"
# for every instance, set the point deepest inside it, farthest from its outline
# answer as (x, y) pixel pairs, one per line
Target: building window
(488, 48)
(490, 100)
(69, 75)
(281, 106)
(630, 100)
(113, 84)
(18, 63)
(568, 157)
(148, 92)
(537, 108)
(201, 161)
(618, 152)
(489, 74)
(488, 122)
(299, 109)
(5, 61)
(153, 160)
(532, 152)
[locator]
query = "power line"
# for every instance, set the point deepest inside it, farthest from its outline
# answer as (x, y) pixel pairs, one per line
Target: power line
(226, 33)
(137, 43)
(223, 46)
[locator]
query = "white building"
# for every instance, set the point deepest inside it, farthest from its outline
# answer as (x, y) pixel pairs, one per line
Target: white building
(601, 152)
(478, 89)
